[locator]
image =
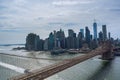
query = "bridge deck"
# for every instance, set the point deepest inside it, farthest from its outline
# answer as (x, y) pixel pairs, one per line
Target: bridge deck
(55, 68)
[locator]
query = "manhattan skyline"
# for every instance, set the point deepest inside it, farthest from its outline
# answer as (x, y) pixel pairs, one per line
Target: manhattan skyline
(20, 17)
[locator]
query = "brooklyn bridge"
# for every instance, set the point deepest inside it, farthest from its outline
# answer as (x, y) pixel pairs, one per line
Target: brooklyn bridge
(105, 50)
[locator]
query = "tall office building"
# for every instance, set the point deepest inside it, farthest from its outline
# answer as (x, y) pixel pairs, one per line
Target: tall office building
(79, 40)
(104, 32)
(61, 38)
(31, 41)
(51, 41)
(109, 35)
(46, 44)
(100, 36)
(71, 39)
(87, 35)
(55, 40)
(95, 30)
(82, 31)
(70, 33)
(37, 42)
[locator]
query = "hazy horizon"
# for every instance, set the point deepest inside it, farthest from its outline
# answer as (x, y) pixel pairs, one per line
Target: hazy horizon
(20, 17)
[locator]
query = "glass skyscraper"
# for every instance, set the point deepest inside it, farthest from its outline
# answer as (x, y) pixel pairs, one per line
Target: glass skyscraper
(104, 32)
(95, 30)
(87, 34)
(82, 31)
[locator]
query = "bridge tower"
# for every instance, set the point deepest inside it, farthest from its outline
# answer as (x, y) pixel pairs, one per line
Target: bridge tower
(109, 54)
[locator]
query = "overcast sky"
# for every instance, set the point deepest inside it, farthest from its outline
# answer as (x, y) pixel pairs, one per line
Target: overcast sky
(20, 17)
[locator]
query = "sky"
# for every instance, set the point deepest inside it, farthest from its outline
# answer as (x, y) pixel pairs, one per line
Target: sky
(20, 17)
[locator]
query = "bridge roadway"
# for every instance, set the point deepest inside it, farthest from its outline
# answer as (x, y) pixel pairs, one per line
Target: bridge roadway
(57, 67)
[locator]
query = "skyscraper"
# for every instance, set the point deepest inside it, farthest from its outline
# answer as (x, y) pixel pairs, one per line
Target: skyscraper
(70, 33)
(31, 41)
(79, 40)
(71, 39)
(100, 36)
(82, 31)
(55, 41)
(61, 38)
(104, 32)
(87, 35)
(109, 35)
(95, 30)
(45, 44)
(51, 41)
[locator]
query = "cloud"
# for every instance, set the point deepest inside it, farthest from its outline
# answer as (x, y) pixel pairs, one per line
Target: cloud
(39, 18)
(9, 30)
(55, 23)
(63, 24)
(71, 24)
(70, 2)
(2, 7)
(3, 17)
(115, 9)
(43, 16)
(1, 25)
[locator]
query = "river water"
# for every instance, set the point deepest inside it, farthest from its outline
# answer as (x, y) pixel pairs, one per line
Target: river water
(92, 69)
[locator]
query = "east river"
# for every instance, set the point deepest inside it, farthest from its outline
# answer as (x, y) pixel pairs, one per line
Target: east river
(92, 69)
